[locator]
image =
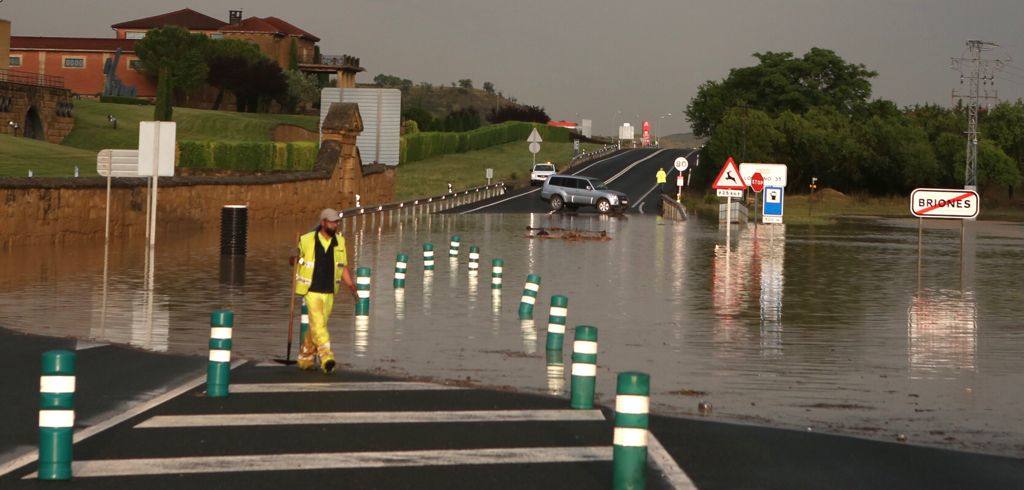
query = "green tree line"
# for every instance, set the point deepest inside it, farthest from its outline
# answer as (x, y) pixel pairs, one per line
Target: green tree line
(815, 113)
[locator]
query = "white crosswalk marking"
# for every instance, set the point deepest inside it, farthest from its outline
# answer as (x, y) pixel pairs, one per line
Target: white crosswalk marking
(324, 418)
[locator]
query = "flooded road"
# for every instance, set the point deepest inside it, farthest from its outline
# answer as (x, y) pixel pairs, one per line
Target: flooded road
(832, 328)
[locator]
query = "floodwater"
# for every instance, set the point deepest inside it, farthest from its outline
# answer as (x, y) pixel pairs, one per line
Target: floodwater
(841, 329)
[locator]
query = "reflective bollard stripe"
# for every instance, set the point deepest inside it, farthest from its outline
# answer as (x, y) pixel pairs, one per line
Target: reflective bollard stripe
(497, 267)
(530, 291)
(584, 367)
(363, 292)
(428, 256)
(453, 250)
(556, 322)
(474, 260)
(219, 368)
(303, 322)
(629, 454)
(401, 265)
(56, 414)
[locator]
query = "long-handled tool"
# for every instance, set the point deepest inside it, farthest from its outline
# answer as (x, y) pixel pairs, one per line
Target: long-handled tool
(291, 316)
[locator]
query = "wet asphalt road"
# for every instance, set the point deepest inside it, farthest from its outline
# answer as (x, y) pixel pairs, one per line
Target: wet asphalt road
(630, 171)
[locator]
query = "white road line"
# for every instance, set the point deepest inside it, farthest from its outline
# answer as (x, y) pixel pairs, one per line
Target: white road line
(656, 185)
(317, 418)
(328, 461)
(112, 420)
(327, 387)
(576, 172)
(663, 461)
(630, 167)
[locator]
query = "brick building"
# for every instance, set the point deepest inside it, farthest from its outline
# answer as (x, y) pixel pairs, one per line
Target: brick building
(80, 61)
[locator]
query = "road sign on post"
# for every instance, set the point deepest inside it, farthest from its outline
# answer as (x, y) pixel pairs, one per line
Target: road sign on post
(771, 211)
(681, 164)
(534, 140)
(945, 203)
(757, 182)
(489, 174)
(729, 184)
(774, 174)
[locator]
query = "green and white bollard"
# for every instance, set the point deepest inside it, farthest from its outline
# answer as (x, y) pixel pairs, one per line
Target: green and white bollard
(428, 256)
(530, 291)
(218, 370)
(401, 265)
(556, 322)
(629, 454)
(453, 249)
(303, 323)
(474, 260)
(363, 292)
(584, 367)
(56, 414)
(497, 267)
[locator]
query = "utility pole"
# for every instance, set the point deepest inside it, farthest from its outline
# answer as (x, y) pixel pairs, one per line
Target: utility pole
(977, 72)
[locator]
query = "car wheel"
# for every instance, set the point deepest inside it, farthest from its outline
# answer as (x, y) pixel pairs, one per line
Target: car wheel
(557, 203)
(604, 206)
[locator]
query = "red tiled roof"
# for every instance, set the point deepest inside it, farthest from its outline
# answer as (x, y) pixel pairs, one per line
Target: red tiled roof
(290, 29)
(187, 18)
(72, 43)
(253, 24)
(562, 124)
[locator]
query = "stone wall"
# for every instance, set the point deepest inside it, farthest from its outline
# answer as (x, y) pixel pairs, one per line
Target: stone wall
(52, 210)
(19, 98)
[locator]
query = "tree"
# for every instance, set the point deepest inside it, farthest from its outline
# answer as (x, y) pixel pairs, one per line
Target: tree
(424, 121)
(780, 82)
(489, 87)
(302, 88)
(515, 112)
(229, 61)
(177, 55)
(1004, 125)
(293, 56)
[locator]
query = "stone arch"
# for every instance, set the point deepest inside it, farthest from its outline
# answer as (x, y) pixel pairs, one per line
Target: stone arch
(33, 125)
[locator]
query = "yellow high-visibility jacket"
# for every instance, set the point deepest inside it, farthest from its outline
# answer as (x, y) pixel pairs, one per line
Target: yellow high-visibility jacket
(662, 176)
(307, 259)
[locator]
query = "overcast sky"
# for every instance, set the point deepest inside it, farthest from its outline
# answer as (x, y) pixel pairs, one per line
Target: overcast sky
(596, 58)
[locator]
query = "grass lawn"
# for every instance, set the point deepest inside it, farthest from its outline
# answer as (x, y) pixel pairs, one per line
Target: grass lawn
(511, 162)
(19, 155)
(93, 132)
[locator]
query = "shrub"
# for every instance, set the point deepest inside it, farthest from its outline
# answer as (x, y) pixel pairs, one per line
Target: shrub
(248, 156)
(114, 99)
(423, 145)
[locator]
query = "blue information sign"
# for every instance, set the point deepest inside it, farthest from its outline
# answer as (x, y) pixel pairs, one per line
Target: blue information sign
(772, 208)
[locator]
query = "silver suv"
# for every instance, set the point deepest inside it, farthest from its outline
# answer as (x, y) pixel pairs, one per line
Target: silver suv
(571, 192)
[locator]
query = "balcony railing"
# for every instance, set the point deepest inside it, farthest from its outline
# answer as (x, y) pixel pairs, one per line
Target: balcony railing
(37, 79)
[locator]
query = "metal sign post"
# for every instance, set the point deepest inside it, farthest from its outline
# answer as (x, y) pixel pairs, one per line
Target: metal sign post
(729, 184)
(962, 204)
(681, 164)
(534, 140)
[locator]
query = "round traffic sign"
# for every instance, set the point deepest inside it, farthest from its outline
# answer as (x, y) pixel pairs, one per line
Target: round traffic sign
(757, 182)
(535, 148)
(681, 163)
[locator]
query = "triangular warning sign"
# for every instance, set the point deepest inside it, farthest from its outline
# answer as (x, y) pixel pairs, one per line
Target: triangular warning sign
(729, 177)
(534, 137)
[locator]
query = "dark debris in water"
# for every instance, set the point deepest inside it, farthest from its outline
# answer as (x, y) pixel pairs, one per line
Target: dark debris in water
(838, 406)
(686, 392)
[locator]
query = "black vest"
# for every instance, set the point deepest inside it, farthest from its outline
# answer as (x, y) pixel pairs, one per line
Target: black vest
(323, 267)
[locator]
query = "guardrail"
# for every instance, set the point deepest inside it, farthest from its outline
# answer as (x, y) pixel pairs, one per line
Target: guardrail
(429, 204)
(37, 79)
(604, 150)
(670, 209)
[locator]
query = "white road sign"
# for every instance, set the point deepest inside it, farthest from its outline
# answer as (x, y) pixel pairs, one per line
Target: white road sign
(157, 144)
(534, 137)
(681, 164)
(125, 163)
(945, 203)
(730, 193)
(535, 148)
(774, 173)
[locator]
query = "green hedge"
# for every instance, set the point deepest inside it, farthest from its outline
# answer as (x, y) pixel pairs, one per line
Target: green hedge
(124, 100)
(423, 145)
(247, 156)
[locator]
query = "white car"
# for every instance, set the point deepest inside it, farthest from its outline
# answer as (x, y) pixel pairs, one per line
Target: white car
(541, 172)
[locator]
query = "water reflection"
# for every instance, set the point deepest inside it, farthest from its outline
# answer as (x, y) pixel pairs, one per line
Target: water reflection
(771, 252)
(555, 372)
(138, 318)
(942, 329)
(529, 330)
(400, 303)
(361, 339)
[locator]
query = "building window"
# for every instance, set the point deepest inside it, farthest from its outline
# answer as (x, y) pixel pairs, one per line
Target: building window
(134, 35)
(15, 61)
(74, 62)
(135, 65)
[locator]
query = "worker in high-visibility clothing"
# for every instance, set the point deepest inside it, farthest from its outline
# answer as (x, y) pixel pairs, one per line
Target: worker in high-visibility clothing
(322, 267)
(662, 178)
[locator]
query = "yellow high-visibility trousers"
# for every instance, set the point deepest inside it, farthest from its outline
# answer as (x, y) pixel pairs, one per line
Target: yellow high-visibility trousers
(318, 340)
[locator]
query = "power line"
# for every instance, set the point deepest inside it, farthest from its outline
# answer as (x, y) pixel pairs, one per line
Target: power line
(979, 74)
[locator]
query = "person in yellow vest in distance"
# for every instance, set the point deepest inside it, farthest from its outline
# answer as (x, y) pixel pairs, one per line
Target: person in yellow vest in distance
(662, 178)
(322, 267)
